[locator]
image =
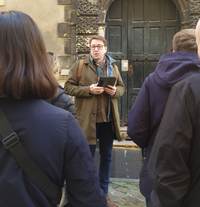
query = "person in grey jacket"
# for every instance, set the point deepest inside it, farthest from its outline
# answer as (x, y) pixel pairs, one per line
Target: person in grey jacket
(61, 99)
(147, 111)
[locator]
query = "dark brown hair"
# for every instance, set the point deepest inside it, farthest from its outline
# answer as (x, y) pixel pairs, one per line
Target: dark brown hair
(97, 37)
(185, 40)
(24, 68)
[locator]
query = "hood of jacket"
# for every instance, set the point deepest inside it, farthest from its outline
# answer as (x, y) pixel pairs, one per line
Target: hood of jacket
(173, 67)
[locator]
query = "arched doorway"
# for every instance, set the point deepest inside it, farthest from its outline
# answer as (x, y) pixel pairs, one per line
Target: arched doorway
(139, 31)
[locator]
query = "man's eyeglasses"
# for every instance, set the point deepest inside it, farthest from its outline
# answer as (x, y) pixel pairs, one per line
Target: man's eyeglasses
(99, 47)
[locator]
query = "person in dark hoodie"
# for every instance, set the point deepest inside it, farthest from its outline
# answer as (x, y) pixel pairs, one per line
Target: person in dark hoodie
(147, 111)
(61, 99)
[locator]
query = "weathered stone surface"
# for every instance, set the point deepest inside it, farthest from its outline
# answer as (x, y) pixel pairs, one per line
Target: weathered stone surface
(67, 13)
(82, 44)
(64, 30)
(65, 61)
(73, 17)
(64, 2)
(87, 25)
(194, 20)
(86, 7)
(125, 163)
(67, 46)
(195, 7)
(123, 195)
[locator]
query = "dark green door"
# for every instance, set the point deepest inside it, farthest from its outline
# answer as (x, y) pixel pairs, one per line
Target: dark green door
(147, 29)
(116, 35)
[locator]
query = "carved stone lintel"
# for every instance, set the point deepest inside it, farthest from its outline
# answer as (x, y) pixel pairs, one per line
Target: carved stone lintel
(86, 7)
(87, 25)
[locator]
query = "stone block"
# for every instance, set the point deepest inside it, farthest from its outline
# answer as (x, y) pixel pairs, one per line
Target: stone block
(195, 7)
(67, 13)
(65, 61)
(64, 30)
(85, 7)
(87, 25)
(73, 39)
(64, 2)
(125, 163)
(73, 17)
(82, 44)
(193, 21)
(67, 43)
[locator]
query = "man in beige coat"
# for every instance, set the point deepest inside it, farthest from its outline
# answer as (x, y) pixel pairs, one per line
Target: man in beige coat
(97, 107)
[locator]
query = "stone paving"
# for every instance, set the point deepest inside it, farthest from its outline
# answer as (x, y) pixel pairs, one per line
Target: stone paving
(126, 193)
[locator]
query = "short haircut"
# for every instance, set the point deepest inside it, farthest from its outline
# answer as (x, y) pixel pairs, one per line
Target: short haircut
(55, 63)
(24, 68)
(97, 37)
(185, 40)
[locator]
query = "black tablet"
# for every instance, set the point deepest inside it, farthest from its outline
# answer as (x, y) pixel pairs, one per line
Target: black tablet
(105, 81)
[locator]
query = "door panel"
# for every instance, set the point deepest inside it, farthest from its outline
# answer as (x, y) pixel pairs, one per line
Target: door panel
(149, 36)
(116, 35)
(140, 31)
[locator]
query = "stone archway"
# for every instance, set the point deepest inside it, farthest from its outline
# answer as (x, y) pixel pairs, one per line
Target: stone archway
(183, 7)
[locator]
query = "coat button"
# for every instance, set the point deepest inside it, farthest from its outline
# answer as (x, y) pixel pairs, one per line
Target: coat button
(93, 113)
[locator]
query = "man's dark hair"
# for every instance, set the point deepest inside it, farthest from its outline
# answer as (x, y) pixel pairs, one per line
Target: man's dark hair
(24, 68)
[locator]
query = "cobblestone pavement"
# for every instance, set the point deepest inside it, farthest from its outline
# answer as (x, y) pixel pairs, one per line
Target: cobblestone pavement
(126, 193)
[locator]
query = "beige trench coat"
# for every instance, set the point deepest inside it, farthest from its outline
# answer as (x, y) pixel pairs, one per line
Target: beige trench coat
(86, 104)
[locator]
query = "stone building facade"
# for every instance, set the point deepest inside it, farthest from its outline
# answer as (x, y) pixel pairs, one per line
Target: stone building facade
(76, 20)
(67, 25)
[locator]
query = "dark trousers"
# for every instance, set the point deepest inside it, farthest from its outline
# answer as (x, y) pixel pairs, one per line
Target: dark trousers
(105, 135)
(148, 203)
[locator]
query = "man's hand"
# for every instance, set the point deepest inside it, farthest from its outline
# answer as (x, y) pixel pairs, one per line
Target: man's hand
(111, 90)
(94, 89)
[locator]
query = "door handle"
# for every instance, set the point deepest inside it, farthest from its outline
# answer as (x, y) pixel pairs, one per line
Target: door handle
(130, 71)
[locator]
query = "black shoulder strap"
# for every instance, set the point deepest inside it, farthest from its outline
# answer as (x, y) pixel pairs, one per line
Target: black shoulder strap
(12, 143)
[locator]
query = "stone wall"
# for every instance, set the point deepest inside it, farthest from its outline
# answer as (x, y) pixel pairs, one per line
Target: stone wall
(46, 14)
(194, 12)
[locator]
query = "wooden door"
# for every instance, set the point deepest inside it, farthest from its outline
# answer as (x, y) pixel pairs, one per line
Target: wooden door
(139, 31)
(116, 36)
(151, 27)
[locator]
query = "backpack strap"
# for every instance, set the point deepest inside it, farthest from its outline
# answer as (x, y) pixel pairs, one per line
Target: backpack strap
(80, 67)
(12, 143)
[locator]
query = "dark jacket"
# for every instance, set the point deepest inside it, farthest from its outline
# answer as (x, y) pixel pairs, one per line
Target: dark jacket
(86, 104)
(174, 163)
(63, 101)
(55, 142)
(148, 109)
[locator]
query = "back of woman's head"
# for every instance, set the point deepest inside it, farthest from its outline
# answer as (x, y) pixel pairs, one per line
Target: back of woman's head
(185, 40)
(24, 68)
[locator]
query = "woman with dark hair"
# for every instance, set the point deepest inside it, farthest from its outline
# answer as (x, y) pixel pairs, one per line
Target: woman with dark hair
(51, 136)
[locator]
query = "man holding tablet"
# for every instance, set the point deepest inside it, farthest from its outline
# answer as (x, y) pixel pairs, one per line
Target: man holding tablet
(96, 106)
